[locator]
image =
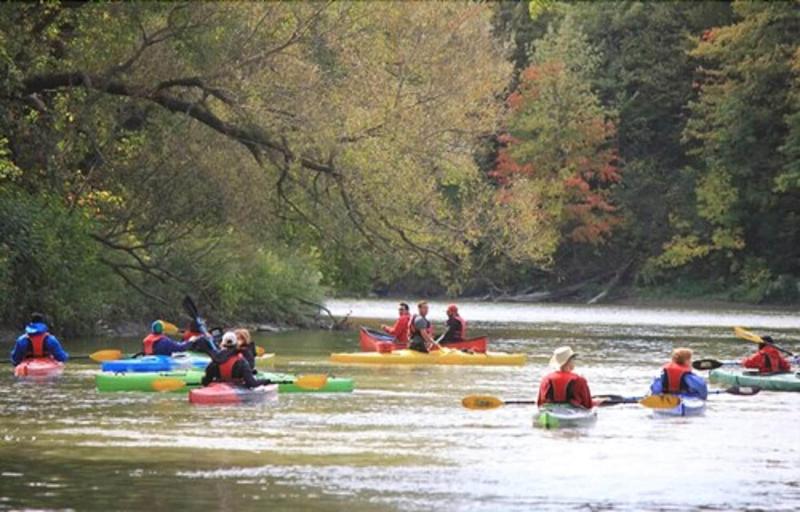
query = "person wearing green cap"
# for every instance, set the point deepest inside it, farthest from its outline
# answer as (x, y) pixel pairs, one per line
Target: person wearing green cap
(159, 344)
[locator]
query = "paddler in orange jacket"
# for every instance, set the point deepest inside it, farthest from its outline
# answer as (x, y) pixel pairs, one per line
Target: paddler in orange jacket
(768, 359)
(563, 386)
(400, 328)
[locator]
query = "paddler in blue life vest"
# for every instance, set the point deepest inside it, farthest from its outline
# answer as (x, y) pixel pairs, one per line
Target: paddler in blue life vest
(564, 386)
(677, 378)
(420, 330)
(37, 342)
(230, 365)
(456, 326)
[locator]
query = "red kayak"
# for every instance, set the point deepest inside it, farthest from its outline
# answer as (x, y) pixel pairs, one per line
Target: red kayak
(218, 393)
(375, 341)
(39, 367)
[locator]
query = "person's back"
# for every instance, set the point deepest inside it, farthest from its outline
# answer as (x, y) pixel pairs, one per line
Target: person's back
(768, 359)
(563, 386)
(677, 378)
(37, 342)
(230, 366)
(159, 344)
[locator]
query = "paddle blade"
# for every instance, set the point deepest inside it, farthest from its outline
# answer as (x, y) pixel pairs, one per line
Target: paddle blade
(189, 307)
(743, 390)
(481, 402)
(608, 400)
(660, 401)
(106, 355)
(168, 384)
(311, 381)
(170, 329)
(260, 351)
(706, 364)
(747, 335)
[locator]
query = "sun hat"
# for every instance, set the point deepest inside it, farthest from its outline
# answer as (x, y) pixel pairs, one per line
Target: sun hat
(561, 356)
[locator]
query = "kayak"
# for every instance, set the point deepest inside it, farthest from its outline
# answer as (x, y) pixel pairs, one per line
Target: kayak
(39, 367)
(138, 381)
(689, 406)
(178, 361)
(373, 341)
(771, 382)
(563, 416)
(219, 393)
(443, 357)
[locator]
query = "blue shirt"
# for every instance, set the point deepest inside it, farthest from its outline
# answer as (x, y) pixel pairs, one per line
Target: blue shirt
(24, 347)
(691, 385)
(166, 346)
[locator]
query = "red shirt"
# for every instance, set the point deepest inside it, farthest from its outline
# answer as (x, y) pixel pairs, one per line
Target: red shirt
(767, 360)
(581, 396)
(400, 328)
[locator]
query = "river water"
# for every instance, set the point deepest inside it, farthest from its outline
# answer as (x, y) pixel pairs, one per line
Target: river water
(402, 441)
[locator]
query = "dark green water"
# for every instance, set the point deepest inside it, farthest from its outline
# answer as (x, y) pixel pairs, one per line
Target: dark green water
(403, 442)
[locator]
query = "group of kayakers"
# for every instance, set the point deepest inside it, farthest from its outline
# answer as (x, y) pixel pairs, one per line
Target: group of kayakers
(417, 330)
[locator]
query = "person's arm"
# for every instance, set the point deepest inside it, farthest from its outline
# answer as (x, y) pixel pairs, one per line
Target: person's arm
(19, 350)
(753, 361)
(395, 329)
(167, 346)
(697, 385)
(448, 334)
(56, 350)
(212, 372)
(656, 387)
(582, 397)
(544, 387)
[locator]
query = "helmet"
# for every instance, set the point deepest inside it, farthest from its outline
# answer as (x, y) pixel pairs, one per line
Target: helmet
(228, 340)
(452, 308)
(157, 327)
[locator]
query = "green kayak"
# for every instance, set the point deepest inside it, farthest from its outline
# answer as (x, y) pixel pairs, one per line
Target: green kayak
(772, 382)
(563, 416)
(136, 381)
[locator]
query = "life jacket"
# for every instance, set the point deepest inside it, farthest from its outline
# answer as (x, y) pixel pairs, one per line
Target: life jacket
(771, 360)
(187, 335)
(672, 377)
(560, 386)
(412, 328)
(459, 332)
(226, 368)
(37, 344)
(149, 343)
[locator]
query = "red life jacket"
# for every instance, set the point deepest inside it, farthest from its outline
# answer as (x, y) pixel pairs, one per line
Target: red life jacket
(37, 344)
(149, 342)
(226, 368)
(772, 361)
(672, 377)
(559, 390)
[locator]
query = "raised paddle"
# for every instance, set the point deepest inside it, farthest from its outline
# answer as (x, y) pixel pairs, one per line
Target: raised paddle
(310, 381)
(755, 338)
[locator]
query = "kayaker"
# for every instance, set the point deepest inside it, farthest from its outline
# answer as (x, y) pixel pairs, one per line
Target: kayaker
(400, 328)
(563, 386)
(159, 344)
(246, 347)
(456, 326)
(193, 330)
(677, 377)
(420, 330)
(768, 359)
(230, 365)
(37, 342)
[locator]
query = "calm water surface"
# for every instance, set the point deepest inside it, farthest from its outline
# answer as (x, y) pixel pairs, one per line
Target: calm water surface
(402, 440)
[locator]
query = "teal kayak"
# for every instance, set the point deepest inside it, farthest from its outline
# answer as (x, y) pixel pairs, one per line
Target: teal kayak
(563, 416)
(741, 377)
(143, 381)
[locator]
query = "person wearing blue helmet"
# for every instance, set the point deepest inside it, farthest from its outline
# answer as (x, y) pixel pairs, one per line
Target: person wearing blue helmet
(37, 342)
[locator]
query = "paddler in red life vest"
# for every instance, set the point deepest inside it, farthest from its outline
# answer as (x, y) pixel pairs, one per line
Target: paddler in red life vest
(159, 344)
(563, 386)
(677, 378)
(193, 331)
(230, 365)
(456, 326)
(400, 328)
(768, 359)
(37, 342)
(420, 330)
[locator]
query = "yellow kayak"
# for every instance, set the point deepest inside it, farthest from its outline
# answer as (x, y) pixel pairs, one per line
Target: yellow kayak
(451, 357)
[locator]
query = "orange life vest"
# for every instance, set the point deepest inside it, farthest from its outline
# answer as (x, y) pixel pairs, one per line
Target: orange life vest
(37, 344)
(559, 389)
(149, 342)
(672, 377)
(226, 368)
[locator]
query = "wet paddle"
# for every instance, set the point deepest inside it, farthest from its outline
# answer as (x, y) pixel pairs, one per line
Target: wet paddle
(487, 402)
(99, 356)
(755, 338)
(712, 364)
(737, 390)
(310, 381)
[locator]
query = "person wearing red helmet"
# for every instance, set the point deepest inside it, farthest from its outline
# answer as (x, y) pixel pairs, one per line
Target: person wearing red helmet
(456, 326)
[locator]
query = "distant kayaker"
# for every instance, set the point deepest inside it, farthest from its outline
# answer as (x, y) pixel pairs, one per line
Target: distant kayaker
(563, 386)
(400, 328)
(768, 359)
(193, 331)
(677, 378)
(37, 342)
(456, 326)
(159, 344)
(420, 330)
(246, 346)
(230, 365)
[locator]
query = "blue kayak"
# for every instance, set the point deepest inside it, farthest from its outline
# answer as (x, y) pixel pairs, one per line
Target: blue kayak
(180, 361)
(689, 406)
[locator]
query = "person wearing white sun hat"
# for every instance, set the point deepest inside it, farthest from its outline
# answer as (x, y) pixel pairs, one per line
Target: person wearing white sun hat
(563, 386)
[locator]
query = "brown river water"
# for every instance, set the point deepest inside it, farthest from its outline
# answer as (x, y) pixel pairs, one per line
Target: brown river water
(402, 441)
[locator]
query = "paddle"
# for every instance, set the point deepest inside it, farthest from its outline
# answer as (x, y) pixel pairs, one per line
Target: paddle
(310, 381)
(486, 402)
(755, 338)
(737, 390)
(712, 364)
(110, 354)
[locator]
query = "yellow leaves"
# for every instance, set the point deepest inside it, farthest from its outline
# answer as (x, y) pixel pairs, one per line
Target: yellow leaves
(716, 196)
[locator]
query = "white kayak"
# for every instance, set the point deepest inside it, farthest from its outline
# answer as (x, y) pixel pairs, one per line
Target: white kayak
(689, 406)
(563, 416)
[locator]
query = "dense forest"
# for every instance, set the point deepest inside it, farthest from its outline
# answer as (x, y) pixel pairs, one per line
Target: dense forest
(263, 155)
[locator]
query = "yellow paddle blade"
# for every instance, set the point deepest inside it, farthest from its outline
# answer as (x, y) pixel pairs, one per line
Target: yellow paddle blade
(660, 401)
(481, 402)
(170, 329)
(311, 381)
(747, 335)
(168, 384)
(260, 351)
(106, 355)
